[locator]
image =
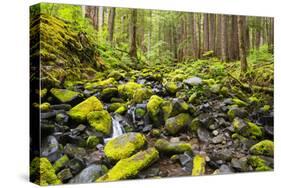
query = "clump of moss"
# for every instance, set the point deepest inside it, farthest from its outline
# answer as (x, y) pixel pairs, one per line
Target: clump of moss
(128, 90)
(172, 87)
(43, 107)
(114, 106)
(265, 147)
(140, 112)
(175, 124)
(116, 75)
(100, 84)
(79, 112)
(266, 108)
(64, 95)
(164, 146)
(141, 94)
(124, 146)
(92, 141)
(258, 163)
(42, 172)
(130, 167)
(192, 97)
(239, 102)
(195, 123)
(101, 121)
(108, 93)
(247, 128)
(43, 92)
(155, 132)
(60, 163)
(121, 110)
(198, 165)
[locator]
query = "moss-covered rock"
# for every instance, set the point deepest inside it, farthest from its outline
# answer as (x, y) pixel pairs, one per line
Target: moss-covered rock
(141, 94)
(235, 111)
(43, 107)
(265, 147)
(128, 90)
(163, 146)
(116, 75)
(140, 112)
(179, 106)
(198, 165)
(64, 95)
(92, 141)
(258, 163)
(79, 112)
(60, 163)
(130, 167)
(195, 123)
(42, 172)
(175, 124)
(266, 108)
(158, 109)
(121, 110)
(108, 93)
(124, 146)
(239, 102)
(114, 106)
(100, 84)
(155, 132)
(247, 128)
(172, 87)
(101, 121)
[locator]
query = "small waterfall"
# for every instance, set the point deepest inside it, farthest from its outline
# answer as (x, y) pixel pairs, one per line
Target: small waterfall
(117, 130)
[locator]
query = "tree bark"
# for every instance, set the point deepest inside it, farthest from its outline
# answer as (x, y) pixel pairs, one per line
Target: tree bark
(111, 22)
(133, 35)
(241, 34)
(224, 49)
(234, 42)
(218, 37)
(212, 32)
(206, 32)
(192, 34)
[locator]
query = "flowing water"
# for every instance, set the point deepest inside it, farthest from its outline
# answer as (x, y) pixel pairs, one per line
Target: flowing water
(117, 130)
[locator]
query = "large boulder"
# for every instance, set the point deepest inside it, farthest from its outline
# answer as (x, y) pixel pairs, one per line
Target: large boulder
(172, 87)
(176, 124)
(79, 112)
(42, 172)
(64, 95)
(158, 109)
(124, 146)
(141, 94)
(108, 93)
(101, 121)
(128, 90)
(265, 147)
(163, 146)
(130, 167)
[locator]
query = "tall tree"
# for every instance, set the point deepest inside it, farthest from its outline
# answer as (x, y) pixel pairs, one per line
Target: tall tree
(133, 35)
(199, 35)
(224, 49)
(111, 22)
(206, 32)
(192, 34)
(212, 32)
(218, 36)
(233, 42)
(258, 33)
(241, 34)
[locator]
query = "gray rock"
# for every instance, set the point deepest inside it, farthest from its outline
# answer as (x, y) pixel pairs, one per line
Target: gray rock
(50, 148)
(193, 81)
(76, 165)
(185, 158)
(65, 175)
(224, 169)
(218, 139)
(240, 164)
(223, 154)
(203, 134)
(74, 151)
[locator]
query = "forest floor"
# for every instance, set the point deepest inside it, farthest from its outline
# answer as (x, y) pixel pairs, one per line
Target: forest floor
(159, 120)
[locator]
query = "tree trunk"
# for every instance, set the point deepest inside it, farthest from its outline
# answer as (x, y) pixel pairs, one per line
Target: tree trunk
(206, 32)
(192, 34)
(258, 33)
(271, 35)
(241, 35)
(234, 42)
(133, 35)
(212, 32)
(199, 35)
(224, 49)
(218, 37)
(111, 22)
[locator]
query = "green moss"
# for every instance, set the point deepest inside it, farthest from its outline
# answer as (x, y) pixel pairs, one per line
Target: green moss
(194, 125)
(141, 94)
(266, 108)
(175, 124)
(101, 121)
(258, 163)
(121, 110)
(172, 87)
(254, 100)
(128, 90)
(79, 112)
(44, 106)
(100, 84)
(239, 102)
(166, 109)
(236, 136)
(114, 106)
(231, 113)
(140, 112)
(193, 97)
(42, 172)
(92, 141)
(198, 165)
(124, 146)
(153, 108)
(130, 167)
(60, 163)
(265, 147)
(43, 92)
(155, 132)
(163, 146)
(224, 91)
(64, 95)
(247, 128)
(116, 75)
(108, 93)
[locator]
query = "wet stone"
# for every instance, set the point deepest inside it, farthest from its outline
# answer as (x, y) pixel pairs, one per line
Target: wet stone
(185, 159)
(203, 134)
(65, 175)
(76, 165)
(50, 148)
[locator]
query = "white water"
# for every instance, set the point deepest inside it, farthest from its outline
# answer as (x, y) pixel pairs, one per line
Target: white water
(117, 130)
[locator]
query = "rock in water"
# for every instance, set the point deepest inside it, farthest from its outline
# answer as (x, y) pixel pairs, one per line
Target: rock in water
(175, 124)
(130, 167)
(124, 146)
(79, 112)
(64, 95)
(42, 172)
(101, 121)
(164, 146)
(89, 174)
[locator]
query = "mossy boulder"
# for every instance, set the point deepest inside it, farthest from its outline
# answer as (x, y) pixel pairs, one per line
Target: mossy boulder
(128, 90)
(93, 141)
(140, 112)
(79, 112)
(175, 124)
(60, 163)
(108, 93)
(124, 146)
(258, 163)
(121, 110)
(198, 165)
(179, 106)
(101, 121)
(42, 172)
(265, 147)
(164, 146)
(100, 84)
(64, 95)
(116, 75)
(172, 87)
(247, 128)
(235, 111)
(130, 167)
(114, 106)
(43, 107)
(141, 94)
(158, 109)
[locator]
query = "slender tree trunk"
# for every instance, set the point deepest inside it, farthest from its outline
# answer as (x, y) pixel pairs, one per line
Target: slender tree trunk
(271, 35)
(258, 33)
(199, 35)
(218, 36)
(111, 22)
(133, 35)
(212, 32)
(206, 32)
(192, 34)
(224, 49)
(234, 42)
(241, 34)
